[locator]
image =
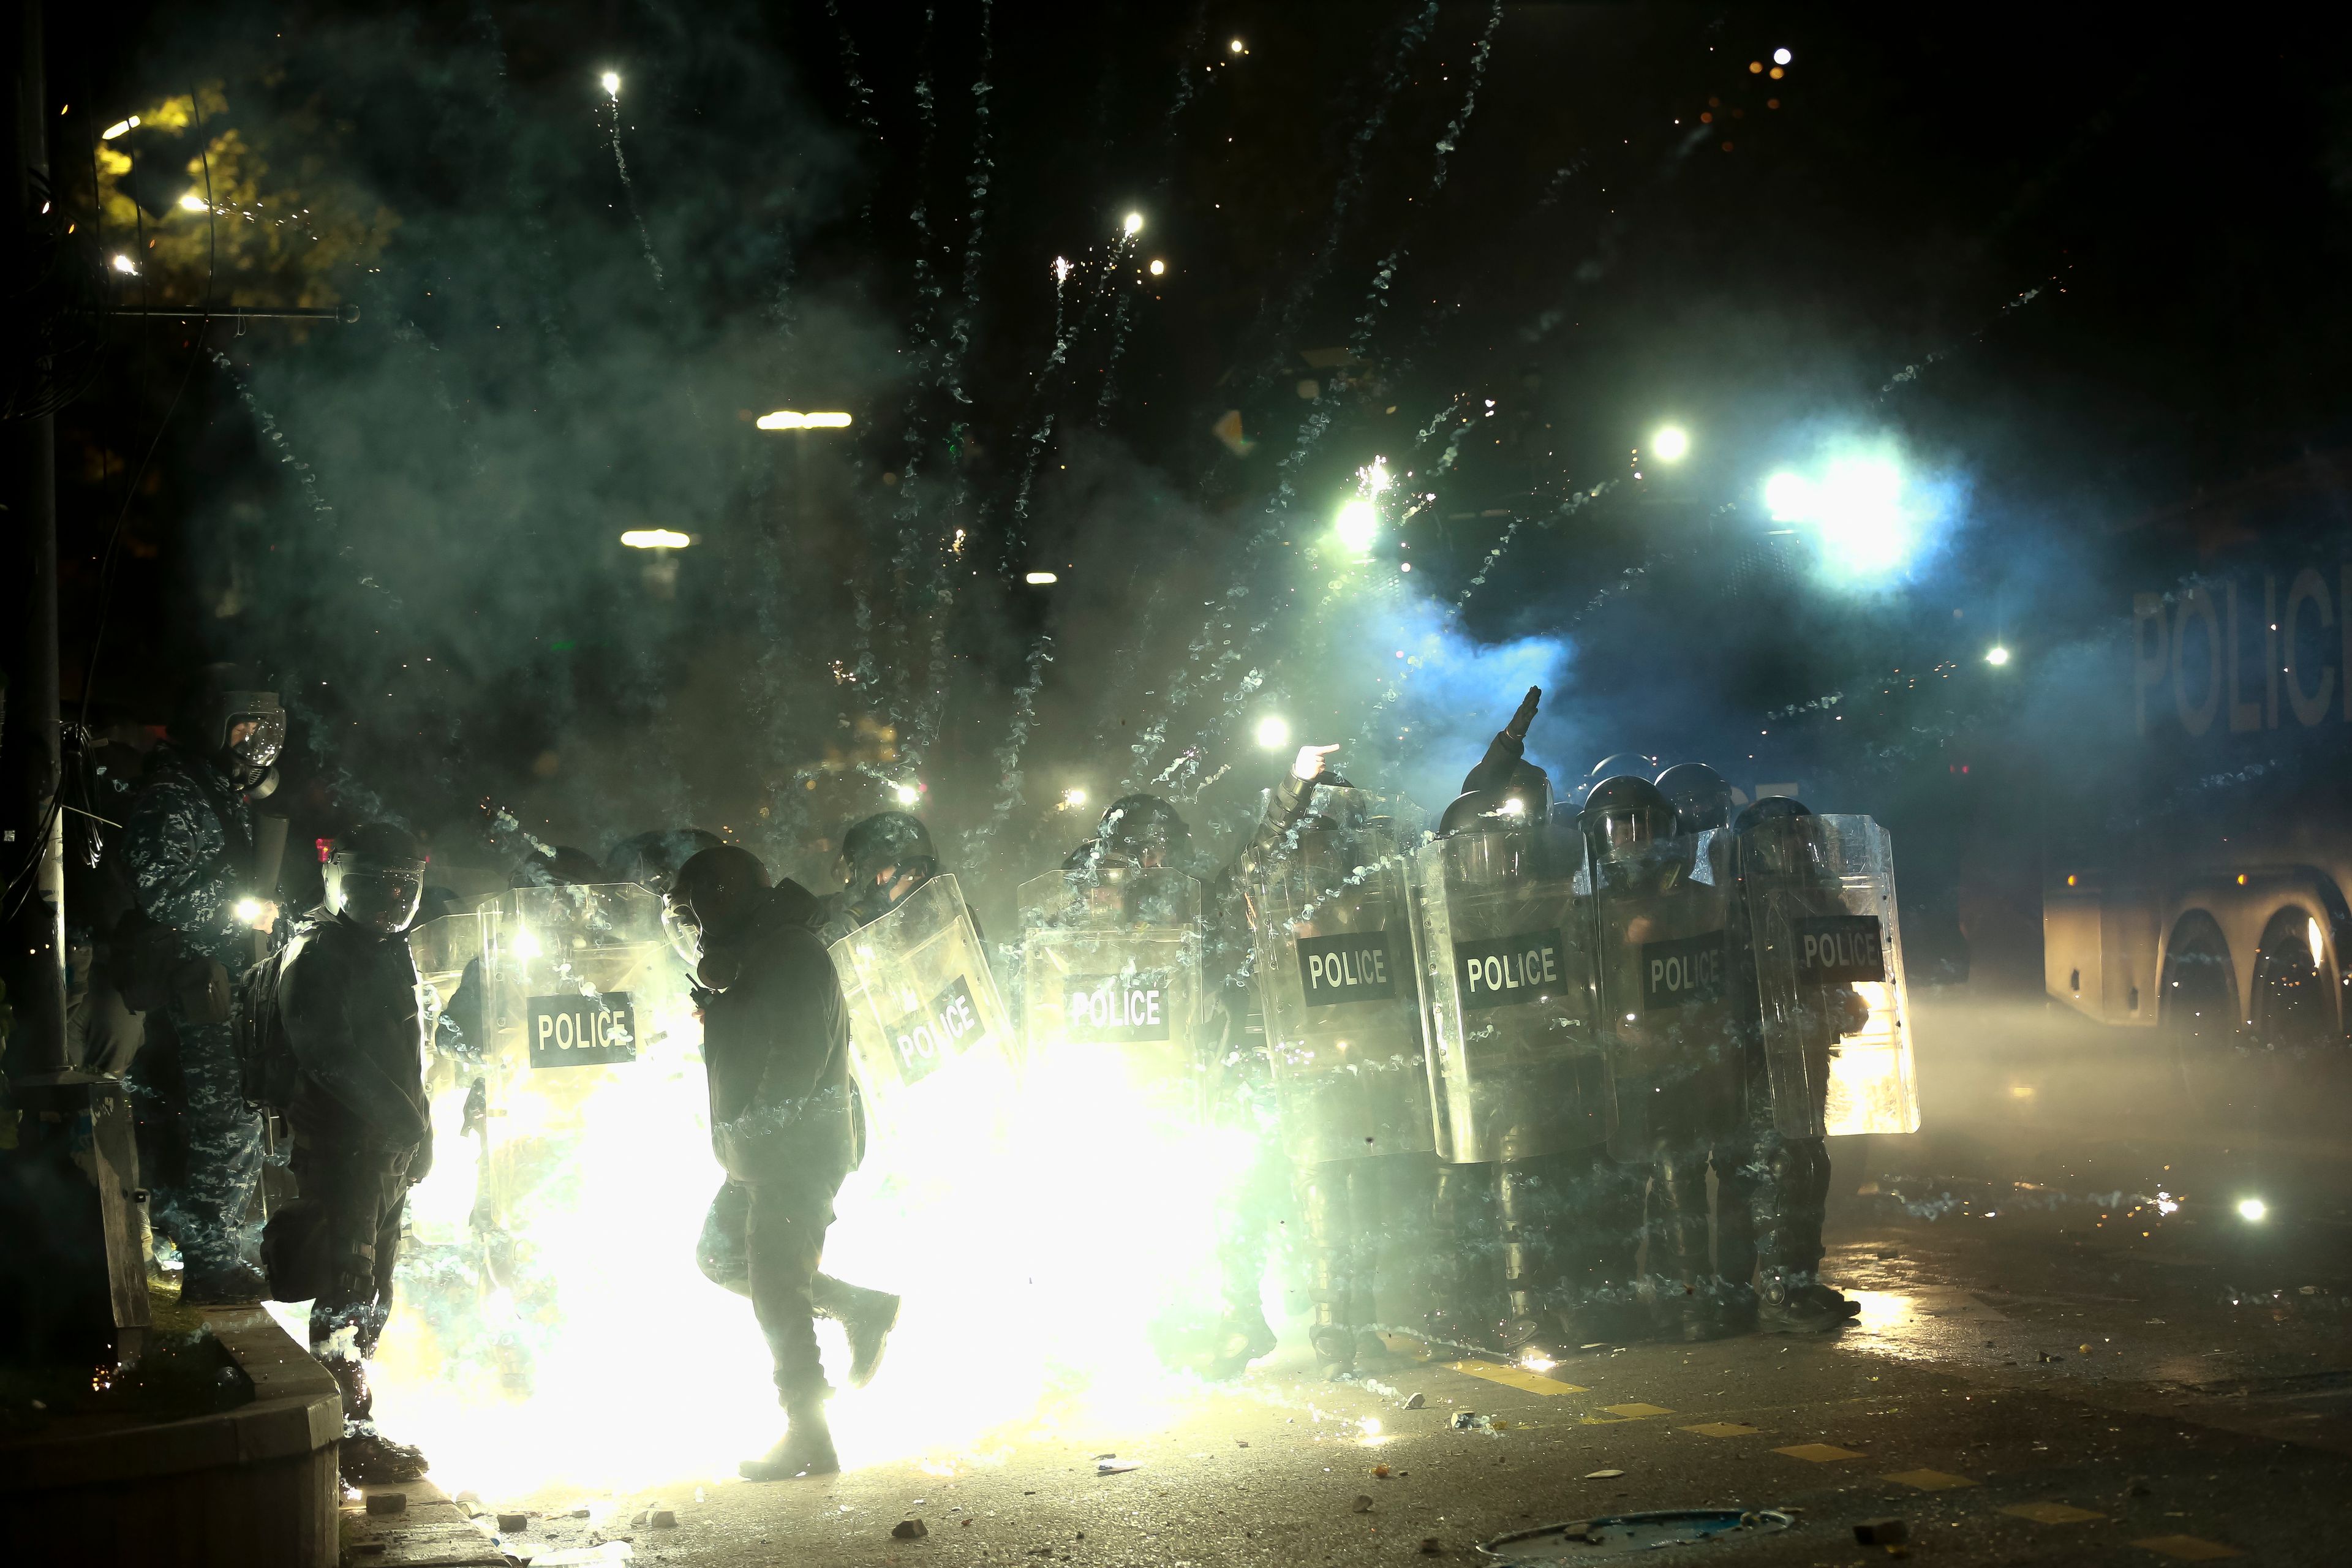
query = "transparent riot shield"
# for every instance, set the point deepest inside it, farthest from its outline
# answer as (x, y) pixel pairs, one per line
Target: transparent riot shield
(924, 1012)
(1331, 939)
(1819, 896)
(1503, 947)
(1110, 963)
(1661, 946)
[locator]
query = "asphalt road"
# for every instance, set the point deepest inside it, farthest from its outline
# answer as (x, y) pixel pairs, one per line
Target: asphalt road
(2050, 1367)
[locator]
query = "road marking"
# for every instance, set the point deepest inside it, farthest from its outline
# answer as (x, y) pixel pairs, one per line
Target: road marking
(2188, 1548)
(1515, 1377)
(1818, 1453)
(1931, 1480)
(1636, 1412)
(2052, 1512)
(1722, 1429)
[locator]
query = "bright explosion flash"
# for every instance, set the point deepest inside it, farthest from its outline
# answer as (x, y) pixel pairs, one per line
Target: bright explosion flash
(612, 80)
(1869, 517)
(1134, 224)
(1273, 732)
(1357, 524)
(1671, 444)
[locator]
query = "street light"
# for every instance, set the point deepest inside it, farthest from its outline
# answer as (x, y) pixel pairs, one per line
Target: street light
(1671, 444)
(1273, 732)
(656, 538)
(613, 85)
(788, 420)
(1039, 579)
(1134, 224)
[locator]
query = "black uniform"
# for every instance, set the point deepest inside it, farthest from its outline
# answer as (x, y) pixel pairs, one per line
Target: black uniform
(363, 1134)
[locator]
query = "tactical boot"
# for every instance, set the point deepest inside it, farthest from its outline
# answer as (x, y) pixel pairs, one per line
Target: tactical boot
(1242, 1338)
(1794, 1303)
(1334, 1351)
(806, 1450)
(366, 1457)
(868, 1317)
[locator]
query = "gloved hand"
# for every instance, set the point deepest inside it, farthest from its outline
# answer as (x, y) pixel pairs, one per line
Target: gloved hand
(1309, 762)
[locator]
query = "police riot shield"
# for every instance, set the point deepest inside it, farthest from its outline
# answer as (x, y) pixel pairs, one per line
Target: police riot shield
(1661, 941)
(1503, 949)
(1333, 948)
(1818, 897)
(447, 950)
(922, 1001)
(1110, 966)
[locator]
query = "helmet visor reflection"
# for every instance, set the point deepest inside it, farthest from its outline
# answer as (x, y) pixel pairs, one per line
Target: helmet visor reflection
(380, 900)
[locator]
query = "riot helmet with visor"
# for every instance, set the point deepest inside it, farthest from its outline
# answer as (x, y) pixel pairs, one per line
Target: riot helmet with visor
(375, 878)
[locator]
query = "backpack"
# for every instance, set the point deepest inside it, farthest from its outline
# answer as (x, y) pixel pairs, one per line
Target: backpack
(267, 1070)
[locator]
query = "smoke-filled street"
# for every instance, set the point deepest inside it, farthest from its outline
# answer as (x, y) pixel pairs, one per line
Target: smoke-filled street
(1466, 779)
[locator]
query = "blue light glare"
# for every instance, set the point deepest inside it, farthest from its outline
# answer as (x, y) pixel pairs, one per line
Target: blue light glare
(1869, 516)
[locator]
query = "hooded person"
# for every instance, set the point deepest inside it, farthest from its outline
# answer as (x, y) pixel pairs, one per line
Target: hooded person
(191, 844)
(345, 1014)
(776, 1050)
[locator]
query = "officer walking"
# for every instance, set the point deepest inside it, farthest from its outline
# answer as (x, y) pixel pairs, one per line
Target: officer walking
(340, 1049)
(776, 1048)
(189, 844)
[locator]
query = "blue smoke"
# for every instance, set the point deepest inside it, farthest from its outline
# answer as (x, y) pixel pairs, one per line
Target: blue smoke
(1447, 693)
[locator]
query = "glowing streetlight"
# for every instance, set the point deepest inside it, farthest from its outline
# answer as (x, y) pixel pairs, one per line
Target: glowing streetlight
(2253, 1210)
(1273, 732)
(1997, 656)
(1856, 507)
(787, 419)
(1158, 267)
(656, 538)
(1040, 579)
(1671, 444)
(1781, 57)
(1357, 524)
(612, 80)
(1235, 45)
(1134, 224)
(907, 793)
(119, 128)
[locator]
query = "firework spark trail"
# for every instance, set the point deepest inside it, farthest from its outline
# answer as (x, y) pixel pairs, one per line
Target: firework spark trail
(1409, 37)
(1119, 319)
(1385, 274)
(979, 842)
(523, 201)
(1910, 373)
(629, 186)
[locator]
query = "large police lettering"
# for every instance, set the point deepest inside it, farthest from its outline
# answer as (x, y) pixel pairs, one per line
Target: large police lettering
(2206, 642)
(1840, 949)
(1116, 1008)
(582, 1031)
(1683, 969)
(1502, 971)
(1351, 967)
(938, 1034)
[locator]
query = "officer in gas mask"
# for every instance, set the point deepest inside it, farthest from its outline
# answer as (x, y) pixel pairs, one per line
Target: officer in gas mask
(342, 1048)
(191, 845)
(776, 1049)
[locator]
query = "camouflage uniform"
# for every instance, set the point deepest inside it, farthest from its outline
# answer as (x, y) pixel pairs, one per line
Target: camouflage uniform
(189, 842)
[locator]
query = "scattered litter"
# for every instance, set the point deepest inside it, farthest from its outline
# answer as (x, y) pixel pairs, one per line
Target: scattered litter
(1595, 1345)
(1415, 1401)
(1363, 1504)
(1106, 1456)
(580, 1512)
(1380, 1472)
(1471, 1421)
(667, 1519)
(2155, 1323)
(1602, 1475)
(513, 1524)
(2044, 1357)
(909, 1530)
(2083, 1349)
(1429, 1546)
(1627, 1535)
(387, 1502)
(1240, 1442)
(1117, 1466)
(1882, 1533)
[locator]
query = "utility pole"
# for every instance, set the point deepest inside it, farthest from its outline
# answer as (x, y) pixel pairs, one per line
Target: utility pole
(78, 1268)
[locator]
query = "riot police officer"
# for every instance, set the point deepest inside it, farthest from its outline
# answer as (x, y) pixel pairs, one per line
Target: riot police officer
(884, 859)
(776, 1049)
(1663, 902)
(191, 844)
(344, 1015)
(1788, 1176)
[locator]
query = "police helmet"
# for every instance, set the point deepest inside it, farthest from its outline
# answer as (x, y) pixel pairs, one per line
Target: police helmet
(1144, 829)
(1511, 807)
(375, 877)
(1772, 840)
(885, 839)
(1699, 796)
(561, 867)
(1623, 816)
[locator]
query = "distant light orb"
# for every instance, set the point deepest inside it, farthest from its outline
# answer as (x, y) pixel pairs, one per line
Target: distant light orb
(1358, 523)
(907, 793)
(1158, 267)
(124, 265)
(1235, 45)
(1997, 656)
(2253, 1210)
(193, 203)
(1781, 57)
(612, 80)
(1671, 444)
(1040, 579)
(1074, 797)
(1273, 732)
(1787, 497)
(1134, 224)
